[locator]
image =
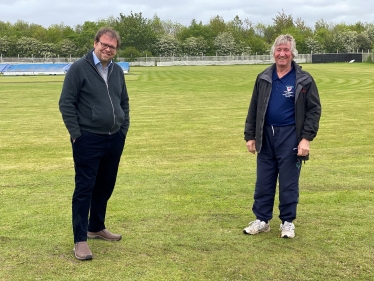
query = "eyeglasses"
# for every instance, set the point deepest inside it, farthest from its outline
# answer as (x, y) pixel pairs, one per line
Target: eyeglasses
(105, 46)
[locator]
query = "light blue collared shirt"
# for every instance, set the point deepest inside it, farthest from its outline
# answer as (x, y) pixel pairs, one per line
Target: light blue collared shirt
(98, 63)
(99, 67)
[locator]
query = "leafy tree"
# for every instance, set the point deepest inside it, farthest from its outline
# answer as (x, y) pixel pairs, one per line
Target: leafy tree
(38, 32)
(167, 45)
(300, 38)
(225, 44)
(12, 49)
(247, 37)
(267, 32)
(363, 42)
(110, 21)
(130, 53)
(4, 45)
(341, 27)
(258, 45)
(301, 32)
(5, 29)
(313, 45)
(195, 46)
(136, 31)
(21, 29)
(248, 29)
(55, 33)
(302, 27)
(348, 41)
(322, 24)
(217, 25)
(66, 48)
(86, 34)
(160, 27)
(243, 49)
(195, 30)
(157, 25)
(28, 47)
(47, 50)
(325, 36)
(369, 32)
(69, 33)
(235, 27)
(336, 44)
(148, 36)
(282, 22)
(359, 27)
(241, 31)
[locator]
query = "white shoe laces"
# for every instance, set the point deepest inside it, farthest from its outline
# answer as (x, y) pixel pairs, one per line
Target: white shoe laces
(287, 226)
(255, 224)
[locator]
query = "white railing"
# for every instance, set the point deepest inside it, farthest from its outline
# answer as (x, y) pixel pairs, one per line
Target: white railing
(209, 60)
(175, 60)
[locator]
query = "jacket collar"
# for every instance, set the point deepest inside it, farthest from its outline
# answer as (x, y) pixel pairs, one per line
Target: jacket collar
(90, 58)
(268, 72)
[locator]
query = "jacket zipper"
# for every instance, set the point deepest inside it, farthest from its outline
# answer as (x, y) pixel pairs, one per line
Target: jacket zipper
(263, 116)
(107, 88)
(111, 102)
(299, 87)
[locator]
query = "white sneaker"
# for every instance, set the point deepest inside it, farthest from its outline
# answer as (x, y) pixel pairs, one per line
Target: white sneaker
(256, 226)
(288, 230)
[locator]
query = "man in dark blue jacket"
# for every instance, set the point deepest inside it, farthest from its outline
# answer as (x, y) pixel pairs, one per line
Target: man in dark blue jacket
(95, 109)
(283, 118)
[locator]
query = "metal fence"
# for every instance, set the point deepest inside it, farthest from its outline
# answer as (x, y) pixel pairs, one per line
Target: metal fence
(209, 60)
(36, 60)
(182, 60)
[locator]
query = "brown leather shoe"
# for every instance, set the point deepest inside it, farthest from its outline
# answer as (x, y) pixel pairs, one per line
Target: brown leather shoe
(82, 251)
(104, 234)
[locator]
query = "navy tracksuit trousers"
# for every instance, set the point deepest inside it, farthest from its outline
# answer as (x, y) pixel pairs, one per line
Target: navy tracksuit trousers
(96, 160)
(277, 160)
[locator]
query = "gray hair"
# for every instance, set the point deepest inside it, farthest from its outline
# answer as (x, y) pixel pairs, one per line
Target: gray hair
(284, 39)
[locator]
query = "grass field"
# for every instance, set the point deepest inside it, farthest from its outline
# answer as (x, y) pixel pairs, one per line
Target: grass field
(185, 186)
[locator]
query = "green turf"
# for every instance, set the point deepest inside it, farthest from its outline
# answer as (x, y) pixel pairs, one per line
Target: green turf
(185, 186)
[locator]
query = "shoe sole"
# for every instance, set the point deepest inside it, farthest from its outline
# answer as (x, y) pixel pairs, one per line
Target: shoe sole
(103, 238)
(287, 237)
(88, 257)
(245, 232)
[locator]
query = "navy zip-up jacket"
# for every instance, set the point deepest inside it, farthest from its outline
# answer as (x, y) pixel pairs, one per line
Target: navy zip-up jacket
(307, 106)
(90, 104)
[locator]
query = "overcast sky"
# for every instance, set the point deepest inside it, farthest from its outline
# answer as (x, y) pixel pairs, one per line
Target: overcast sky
(74, 12)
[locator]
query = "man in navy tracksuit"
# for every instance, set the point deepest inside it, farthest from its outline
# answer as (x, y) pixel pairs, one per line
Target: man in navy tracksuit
(95, 109)
(283, 118)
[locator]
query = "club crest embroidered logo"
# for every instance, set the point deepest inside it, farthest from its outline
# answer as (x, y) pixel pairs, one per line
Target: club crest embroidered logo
(288, 93)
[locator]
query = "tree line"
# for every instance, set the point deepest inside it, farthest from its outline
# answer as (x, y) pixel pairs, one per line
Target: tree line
(155, 37)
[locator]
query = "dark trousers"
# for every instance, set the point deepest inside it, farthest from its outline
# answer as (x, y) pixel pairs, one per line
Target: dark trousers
(277, 160)
(96, 160)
